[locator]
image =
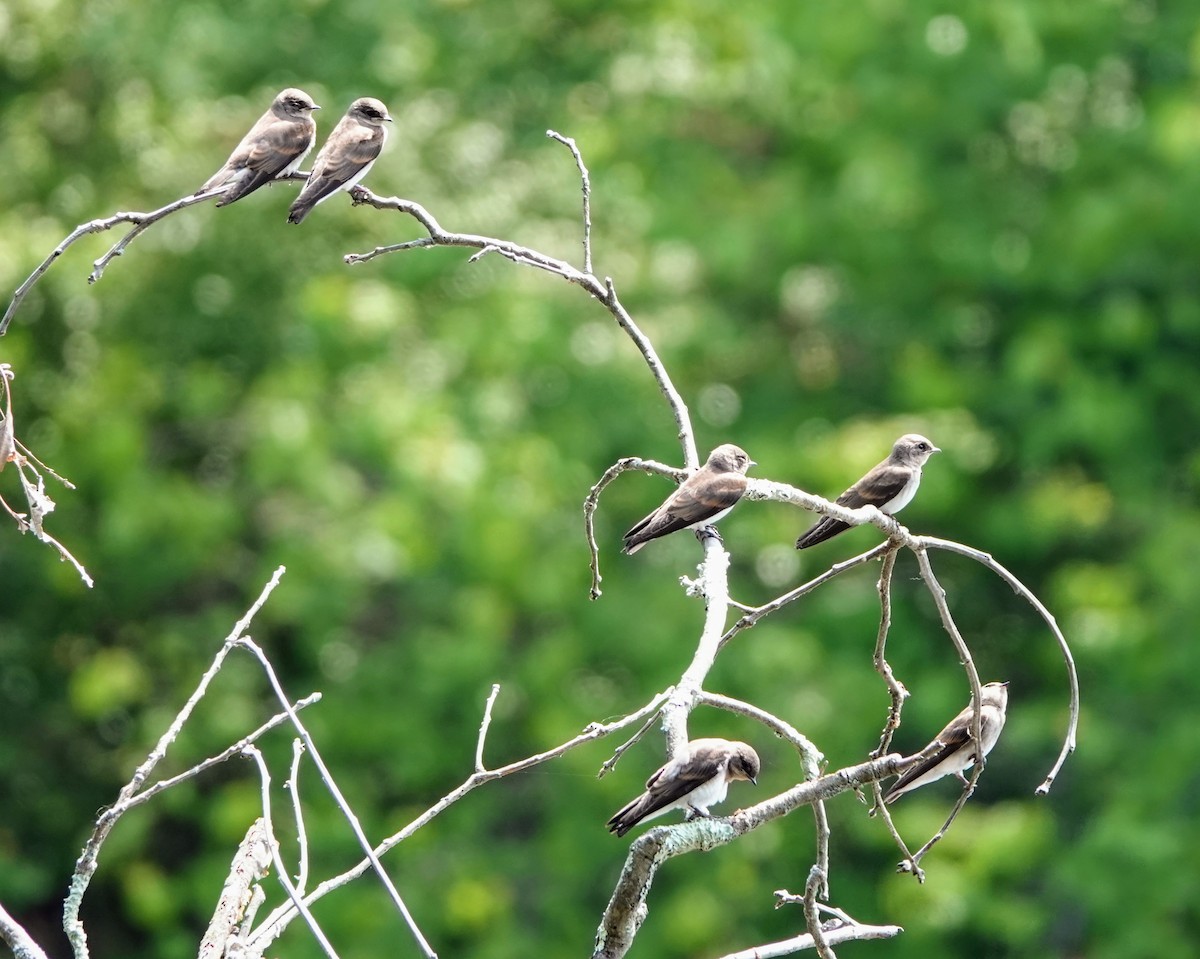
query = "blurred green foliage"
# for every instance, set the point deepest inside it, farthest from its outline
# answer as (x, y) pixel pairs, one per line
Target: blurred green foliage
(837, 223)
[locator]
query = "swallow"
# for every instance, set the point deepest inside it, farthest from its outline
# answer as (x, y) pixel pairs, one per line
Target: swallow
(955, 744)
(889, 486)
(693, 782)
(701, 500)
(346, 157)
(275, 147)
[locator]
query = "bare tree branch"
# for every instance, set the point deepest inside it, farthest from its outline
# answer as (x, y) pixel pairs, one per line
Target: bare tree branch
(280, 867)
(12, 450)
(820, 943)
(570, 144)
(895, 688)
(273, 926)
(1023, 591)
(627, 908)
(141, 221)
(17, 939)
(841, 928)
(251, 862)
(334, 791)
(293, 787)
(85, 866)
(604, 291)
(592, 501)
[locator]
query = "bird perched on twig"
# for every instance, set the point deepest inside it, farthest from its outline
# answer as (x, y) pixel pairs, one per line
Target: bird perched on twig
(346, 157)
(693, 782)
(701, 500)
(889, 486)
(956, 746)
(275, 146)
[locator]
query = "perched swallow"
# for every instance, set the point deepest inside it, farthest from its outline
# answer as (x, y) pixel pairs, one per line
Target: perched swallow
(696, 781)
(701, 500)
(956, 747)
(890, 487)
(275, 146)
(346, 157)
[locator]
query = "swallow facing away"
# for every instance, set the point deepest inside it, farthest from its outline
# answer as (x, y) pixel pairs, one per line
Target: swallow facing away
(275, 147)
(889, 486)
(701, 500)
(956, 748)
(694, 782)
(346, 157)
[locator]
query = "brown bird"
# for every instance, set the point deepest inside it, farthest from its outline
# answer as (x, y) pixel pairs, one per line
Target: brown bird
(694, 782)
(346, 157)
(956, 745)
(701, 500)
(275, 146)
(889, 486)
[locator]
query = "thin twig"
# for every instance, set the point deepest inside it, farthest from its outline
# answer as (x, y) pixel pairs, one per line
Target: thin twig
(754, 615)
(483, 728)
(592, 501)
(1023, 591)
(336, 793)
(604, 291)
(570, 144)
(292, 785)
(85, 865)
(964, 655)
(224, 756)
(280, 868)
(273, 926)
(140, 220)
(810, 758)
(896, 689)
(836, 936)
(814, 882)
(33, 486)
(611, 763)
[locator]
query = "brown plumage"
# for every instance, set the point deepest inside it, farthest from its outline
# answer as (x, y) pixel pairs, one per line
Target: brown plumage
(701, 500)
(694, 782)
(275, 146)
(346, 157)
(956, 745)
(889, 486)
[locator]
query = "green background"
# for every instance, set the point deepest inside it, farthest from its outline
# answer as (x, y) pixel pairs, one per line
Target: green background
(837, 223)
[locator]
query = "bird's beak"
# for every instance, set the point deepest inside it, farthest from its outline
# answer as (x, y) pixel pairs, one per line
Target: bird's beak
(316, 106)
(389, 118)
(753, 780)
(753, 463)
(935, 450)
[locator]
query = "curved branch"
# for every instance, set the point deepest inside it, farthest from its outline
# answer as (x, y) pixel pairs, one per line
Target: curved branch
(592, 501)
(141, 222)
(1023, 591)
(604, 291)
